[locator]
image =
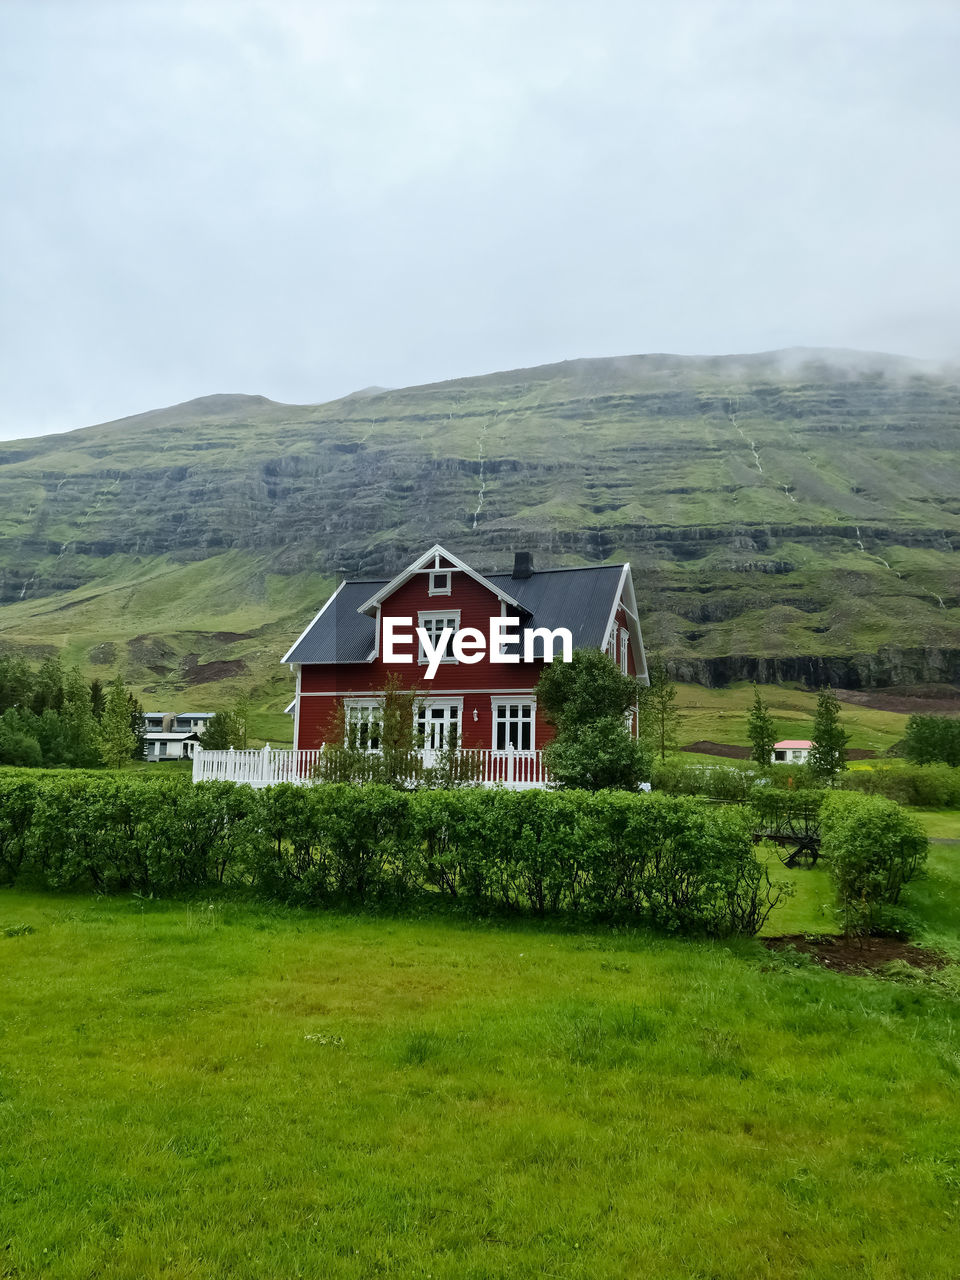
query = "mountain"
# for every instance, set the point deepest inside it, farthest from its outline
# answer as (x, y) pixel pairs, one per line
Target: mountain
(790, 514)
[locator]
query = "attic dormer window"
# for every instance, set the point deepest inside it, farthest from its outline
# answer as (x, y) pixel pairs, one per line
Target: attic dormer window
(440, 582)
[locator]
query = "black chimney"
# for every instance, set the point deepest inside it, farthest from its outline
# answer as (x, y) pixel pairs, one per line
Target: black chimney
(522, 564)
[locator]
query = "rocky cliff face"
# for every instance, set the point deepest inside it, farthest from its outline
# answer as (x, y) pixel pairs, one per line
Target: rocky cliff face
(790, 515)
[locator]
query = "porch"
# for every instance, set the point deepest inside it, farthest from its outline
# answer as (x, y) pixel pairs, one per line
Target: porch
(514, 770)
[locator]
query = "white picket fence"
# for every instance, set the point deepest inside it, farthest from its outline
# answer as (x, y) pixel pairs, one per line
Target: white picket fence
(513, 770)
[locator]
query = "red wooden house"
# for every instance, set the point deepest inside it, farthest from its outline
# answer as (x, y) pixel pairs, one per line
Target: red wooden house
(345, 656)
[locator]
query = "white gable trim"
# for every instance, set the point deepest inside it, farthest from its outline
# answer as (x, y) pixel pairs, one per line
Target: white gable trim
(286, 656)
(625, 589)
(431, 558)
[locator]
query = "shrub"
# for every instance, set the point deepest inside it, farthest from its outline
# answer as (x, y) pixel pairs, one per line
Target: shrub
(588, 699)
(873, 848)
(729, 781)
(197, 835)
(19, 749)
(18, 794)
(677, 862)
(929, 786)
(599, 756)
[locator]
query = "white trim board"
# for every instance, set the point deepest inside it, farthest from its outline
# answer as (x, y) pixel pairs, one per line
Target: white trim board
(435, 552)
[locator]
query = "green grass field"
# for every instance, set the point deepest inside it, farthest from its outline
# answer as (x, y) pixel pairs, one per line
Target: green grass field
(215, 1089)
(720, 715)
(940, 824)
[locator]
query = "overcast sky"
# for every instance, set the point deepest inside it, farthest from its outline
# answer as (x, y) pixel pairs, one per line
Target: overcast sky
(301, 199)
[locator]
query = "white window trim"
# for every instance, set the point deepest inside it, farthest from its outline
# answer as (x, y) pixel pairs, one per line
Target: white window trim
(624, 649)
(357, 704)
(433, 589)
(496, 702)
(446, 615)
(426, 705)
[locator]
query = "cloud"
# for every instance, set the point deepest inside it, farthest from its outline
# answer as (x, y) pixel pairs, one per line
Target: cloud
(299, 199)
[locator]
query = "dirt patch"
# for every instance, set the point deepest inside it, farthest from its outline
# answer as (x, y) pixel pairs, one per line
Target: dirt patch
(867, 955)
(908, 699)
(195, 672)
(708, 748)
(150, 651)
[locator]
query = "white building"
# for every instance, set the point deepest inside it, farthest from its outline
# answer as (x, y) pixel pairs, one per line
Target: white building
(169, 746)
(173, 735)
(791, 751)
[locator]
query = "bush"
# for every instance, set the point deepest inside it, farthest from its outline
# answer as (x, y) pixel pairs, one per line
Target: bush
(675, 862)
(19, 749)
(18, 796)
(588, 699)
(873, 848)
(599, 756)
(731, 781)
(929, 786)
(679, 863)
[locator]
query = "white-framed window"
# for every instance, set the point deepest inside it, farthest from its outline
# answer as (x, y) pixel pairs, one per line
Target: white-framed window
(434, 625)
(438, 723)
(624, 650)
(796, 755)
(611, 649)
(363, 722)
(514, 724)
(440, 582)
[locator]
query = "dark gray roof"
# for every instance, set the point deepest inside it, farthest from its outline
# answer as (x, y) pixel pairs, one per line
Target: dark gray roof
(580, 599)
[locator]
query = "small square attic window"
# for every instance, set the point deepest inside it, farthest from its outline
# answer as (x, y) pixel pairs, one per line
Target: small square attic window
(440, 582)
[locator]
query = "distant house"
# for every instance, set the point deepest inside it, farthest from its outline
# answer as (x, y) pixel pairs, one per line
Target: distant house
(173, 735)
(158, 721)
(791, 751)
(192, 721)
(169, 746)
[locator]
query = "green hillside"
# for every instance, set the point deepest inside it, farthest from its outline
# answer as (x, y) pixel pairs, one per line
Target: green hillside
(792, 515)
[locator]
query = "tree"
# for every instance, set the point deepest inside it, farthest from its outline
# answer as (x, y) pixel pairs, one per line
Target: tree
(17, 747)
(48, 687)
(51, 735)
(221, 732)
(138, 725)
(829, 754)
(589, 688)
(117, 739)
(932, 740)
(79, 727)
(664, 716)
(98, 700)
(16, 682)
(589, 699)
(760, 731)
(241, 719)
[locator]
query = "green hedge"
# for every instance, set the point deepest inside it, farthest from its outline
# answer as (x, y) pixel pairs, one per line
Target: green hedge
(873, 848)
(676, 862)
(929, 786)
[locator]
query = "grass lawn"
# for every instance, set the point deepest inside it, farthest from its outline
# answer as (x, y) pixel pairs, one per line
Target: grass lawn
(940, 824)
(230, 1090)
